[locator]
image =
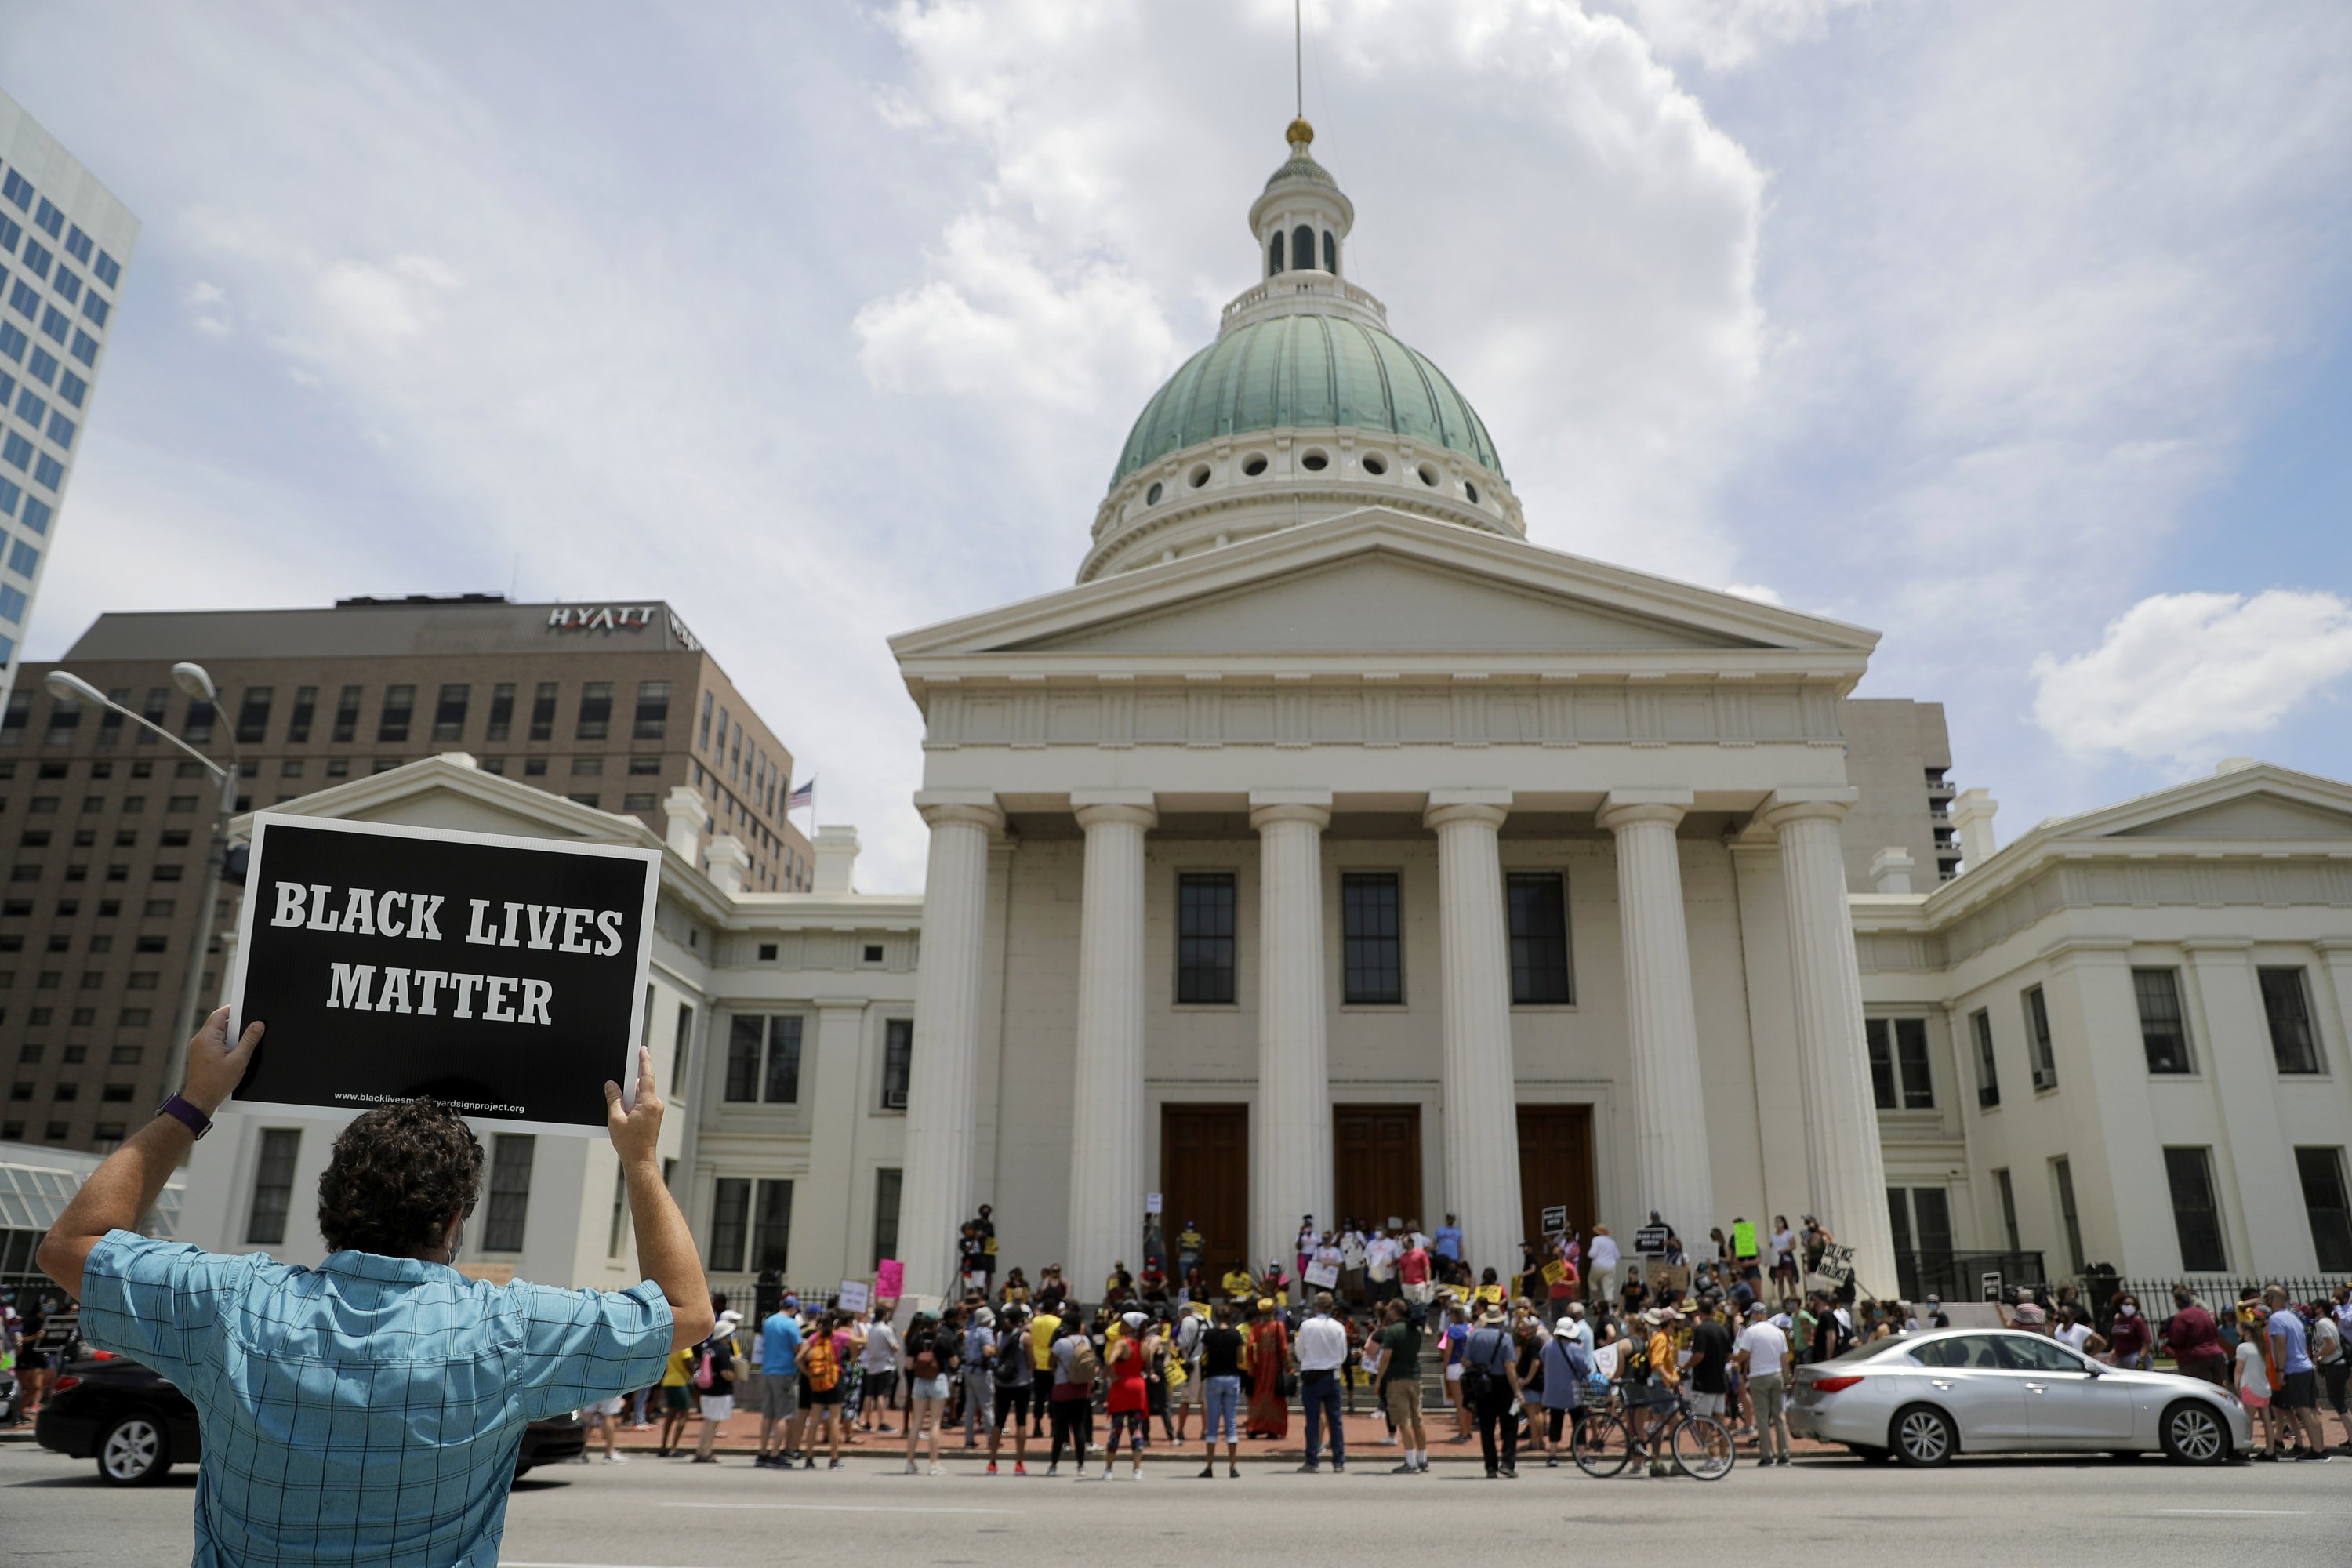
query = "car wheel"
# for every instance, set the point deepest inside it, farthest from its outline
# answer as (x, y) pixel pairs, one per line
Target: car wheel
(1923, 1435)
(2192, 1434)
(1867, 1453)
(135, 1451)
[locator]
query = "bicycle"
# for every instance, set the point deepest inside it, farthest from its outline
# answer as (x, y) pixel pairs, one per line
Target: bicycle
(1605, 1441)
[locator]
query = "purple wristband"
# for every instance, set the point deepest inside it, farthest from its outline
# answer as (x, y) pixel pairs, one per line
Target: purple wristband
(181, 1110)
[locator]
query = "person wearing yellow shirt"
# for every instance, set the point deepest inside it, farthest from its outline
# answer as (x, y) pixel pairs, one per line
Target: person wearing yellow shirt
(1665, 1381)
(1241, 1285)
(677, 1399)
(1045, 1325)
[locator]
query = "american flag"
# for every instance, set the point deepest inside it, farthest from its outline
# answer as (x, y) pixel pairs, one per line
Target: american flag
(804, 796)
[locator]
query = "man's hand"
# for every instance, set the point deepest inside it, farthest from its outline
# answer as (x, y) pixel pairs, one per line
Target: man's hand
(215, 1067)
(636, 1132)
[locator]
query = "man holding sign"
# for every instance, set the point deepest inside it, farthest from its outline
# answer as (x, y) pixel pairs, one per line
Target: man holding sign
(406, 1454)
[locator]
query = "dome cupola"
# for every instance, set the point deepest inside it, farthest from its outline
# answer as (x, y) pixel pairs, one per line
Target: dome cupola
(1303, 408)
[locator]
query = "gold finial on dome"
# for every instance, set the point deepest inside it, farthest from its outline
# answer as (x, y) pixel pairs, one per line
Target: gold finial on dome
(1301, 134)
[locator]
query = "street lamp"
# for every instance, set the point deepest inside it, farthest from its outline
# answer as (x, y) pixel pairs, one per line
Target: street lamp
(193, 680)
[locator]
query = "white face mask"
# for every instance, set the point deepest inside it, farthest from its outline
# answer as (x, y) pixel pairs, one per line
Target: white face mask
(2127, 1309)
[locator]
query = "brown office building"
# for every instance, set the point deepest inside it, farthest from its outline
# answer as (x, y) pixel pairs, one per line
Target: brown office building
(105, 827)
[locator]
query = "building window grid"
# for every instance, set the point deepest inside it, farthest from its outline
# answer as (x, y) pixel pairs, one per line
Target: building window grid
(595, 720)
(2061, 1175)
(1987, 1070)
(886, 1187)
(1542, 973)
(731, 1223)
(501, 720)
(1205, 938)
(509, 1191)
(897, 1061)
(2325, 1200)
(1371, 940)
(772, 1230)
(1899, 1075)
(2163, 1026)
(2286, 1007)
(2007, 1190)
(2196, 1213)
(542, 711)
(449, 712)
(2037, 1038)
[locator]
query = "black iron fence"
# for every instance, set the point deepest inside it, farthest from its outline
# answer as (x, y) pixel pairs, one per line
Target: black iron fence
(1964, 1275)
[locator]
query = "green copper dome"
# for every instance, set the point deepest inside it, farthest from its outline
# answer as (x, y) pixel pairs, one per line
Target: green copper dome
(1305, 372)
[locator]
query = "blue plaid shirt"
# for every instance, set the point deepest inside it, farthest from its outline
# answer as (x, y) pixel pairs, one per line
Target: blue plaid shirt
(366, 1411)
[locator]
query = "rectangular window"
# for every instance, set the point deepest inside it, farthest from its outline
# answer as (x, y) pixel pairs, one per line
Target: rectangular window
(1204, 937)
(681, 1048)
(886, 1213)
(78, 244)
(772, 1234)
(1371, 940)
(85, 347)
(620, 1211)
(595, 710)
(199, 727)
(784, 1079)
(2163, 1032)
(306, 709)
(72, 388)
(542, 711)
(12, 721)
(2325, 1200)
(652, 721)
(108, 269)
(501, 723)
(730, 1224)
(347, 715)
(1899, 1079)
(898, 1057)
(273, 1187)
(745, 1038)
(2196, 1215)
(449, 713)
(2061, 1174)
(2287, 1002)
(510, 1195)
(2037, 1041)
(1538, 916)
(253, 715)
(2008, 1191)
(399, 703)
(704, 742)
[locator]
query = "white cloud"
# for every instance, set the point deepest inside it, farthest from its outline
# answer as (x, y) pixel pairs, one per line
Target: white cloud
(1722, 35)
(1555, 223)
(205, 301)
(1756, 591)
(385, 305)
(2180, 676)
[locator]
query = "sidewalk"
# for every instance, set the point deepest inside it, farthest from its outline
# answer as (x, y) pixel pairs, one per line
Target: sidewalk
(740, 1435)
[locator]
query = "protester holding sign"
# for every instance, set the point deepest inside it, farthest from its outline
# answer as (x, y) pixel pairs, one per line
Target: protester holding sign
(413, 1462)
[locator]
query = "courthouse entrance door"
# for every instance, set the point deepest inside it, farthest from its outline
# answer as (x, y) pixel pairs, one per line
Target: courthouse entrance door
(1204, 1180)
(1556, 1165)
(1376, 1166)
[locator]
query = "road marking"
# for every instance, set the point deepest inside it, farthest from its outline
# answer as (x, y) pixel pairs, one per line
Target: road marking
(842, 1508)
(2234, 1512)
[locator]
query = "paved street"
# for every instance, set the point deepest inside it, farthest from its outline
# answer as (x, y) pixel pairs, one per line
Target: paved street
(668, 1514)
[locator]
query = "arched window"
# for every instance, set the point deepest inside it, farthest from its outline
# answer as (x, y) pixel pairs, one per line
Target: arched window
(1274, 255)
(1302, 247)
(1331, 254)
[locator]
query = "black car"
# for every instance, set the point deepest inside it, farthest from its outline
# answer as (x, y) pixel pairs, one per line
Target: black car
(137, 1425)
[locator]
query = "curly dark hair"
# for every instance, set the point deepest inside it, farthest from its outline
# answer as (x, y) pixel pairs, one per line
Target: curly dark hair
(396, 1176)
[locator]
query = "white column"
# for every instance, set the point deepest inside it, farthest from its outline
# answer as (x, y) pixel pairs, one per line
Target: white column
(1479, 1084)
(1291, 1136)
(826, 1244)
(2238, 1060)
(1673, 1172)
(1846, 1171)
(1107, 1113)
(935, 1198)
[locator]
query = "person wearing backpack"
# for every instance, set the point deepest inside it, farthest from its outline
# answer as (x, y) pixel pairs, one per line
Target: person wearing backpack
(1568, 1370)
(2330, 1355)
(820, 1367)
(1490, 1386)
(717, 1362)
(1015, 1374)
(930, 1360)
(1075, 1371)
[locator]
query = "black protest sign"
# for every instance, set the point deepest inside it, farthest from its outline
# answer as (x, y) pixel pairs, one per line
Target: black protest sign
(1555, 1220)
(504, 977)
(1651, 1238)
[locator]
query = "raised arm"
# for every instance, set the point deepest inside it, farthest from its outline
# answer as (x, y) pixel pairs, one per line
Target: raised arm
(126, 1186)
(665, 1247)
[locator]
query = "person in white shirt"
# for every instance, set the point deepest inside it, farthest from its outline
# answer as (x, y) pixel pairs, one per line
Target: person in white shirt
(1380, 1256)
(1351, 1265)
(1602, 1255)
(1784, 1255)
(1582, 1325)
(1317, 1354)
(1328, 1256)
(1762, 1352)
(878, 1387)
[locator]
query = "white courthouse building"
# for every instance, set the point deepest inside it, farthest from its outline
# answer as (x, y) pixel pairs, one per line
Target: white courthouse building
(1328, 848)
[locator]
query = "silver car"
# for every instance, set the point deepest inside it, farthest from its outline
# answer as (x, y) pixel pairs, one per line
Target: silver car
(1924, 1397)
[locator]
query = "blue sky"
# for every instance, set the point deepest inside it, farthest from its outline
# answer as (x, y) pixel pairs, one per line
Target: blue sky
(2015, 330)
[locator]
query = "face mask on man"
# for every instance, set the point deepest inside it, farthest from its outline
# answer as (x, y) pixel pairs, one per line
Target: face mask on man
(2127, 1310)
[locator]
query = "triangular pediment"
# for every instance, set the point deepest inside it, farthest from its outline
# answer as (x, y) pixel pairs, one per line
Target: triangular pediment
(2258, 815)
(450, 792)
(1382, 586)
(2252, 802)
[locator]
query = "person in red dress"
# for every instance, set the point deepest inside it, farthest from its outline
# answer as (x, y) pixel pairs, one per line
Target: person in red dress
(1129, 1402)
(1269, 1411)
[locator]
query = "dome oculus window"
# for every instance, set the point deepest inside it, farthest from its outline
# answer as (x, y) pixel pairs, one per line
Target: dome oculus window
(1199, 476)
(1375, 465)
(1254, 464)
(1152, 495)
(1315, 462)
(1428, 474)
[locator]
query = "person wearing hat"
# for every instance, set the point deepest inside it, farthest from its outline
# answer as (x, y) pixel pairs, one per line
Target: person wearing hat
(1270, 1343)
(1660, 1386)
(718, 1401)
(1490, 1385)
(1568, 1365)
